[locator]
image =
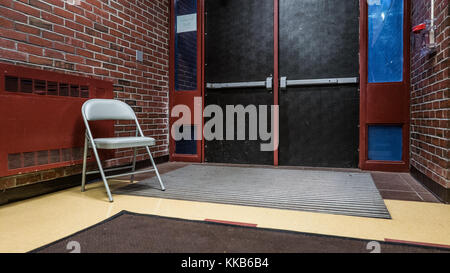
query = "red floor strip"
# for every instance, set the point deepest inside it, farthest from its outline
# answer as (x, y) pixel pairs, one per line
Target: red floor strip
(231, 223)
(416, 243)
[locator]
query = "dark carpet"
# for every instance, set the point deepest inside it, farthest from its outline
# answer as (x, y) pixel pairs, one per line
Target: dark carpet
(130, 232)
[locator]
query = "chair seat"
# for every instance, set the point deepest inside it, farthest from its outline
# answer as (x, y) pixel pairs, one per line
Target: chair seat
(123, 142)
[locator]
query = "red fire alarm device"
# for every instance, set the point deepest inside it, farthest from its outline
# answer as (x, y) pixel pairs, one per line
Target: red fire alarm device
(426, 37)
(417, 29)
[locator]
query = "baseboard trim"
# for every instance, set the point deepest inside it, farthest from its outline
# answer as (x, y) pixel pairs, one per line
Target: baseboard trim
(442, 193)
(45, 187)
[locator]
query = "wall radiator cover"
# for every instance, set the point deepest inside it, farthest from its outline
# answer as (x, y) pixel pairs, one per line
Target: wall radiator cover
(41, 126)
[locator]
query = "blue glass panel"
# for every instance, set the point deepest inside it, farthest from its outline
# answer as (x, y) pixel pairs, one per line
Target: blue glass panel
(187, 146)
(186, 45)
(385, 143)
(385, 41)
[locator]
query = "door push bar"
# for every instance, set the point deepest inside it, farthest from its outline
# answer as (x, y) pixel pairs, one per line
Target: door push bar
(284, 82)
(268, 84)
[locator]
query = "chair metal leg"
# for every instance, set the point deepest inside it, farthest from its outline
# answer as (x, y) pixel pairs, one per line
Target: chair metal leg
(134, 157)
(156, 169)
(83, 176)
(134, 165)
(100, 168)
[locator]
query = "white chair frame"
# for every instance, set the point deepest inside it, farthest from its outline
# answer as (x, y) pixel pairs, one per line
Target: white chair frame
(107, 109)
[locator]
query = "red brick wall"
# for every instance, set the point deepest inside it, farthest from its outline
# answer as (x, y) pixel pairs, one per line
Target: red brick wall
(430, 97)
(98, 38)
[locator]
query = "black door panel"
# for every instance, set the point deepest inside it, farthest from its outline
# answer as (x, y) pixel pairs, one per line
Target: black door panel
(319, 39)
(318, 127)
(239, 48)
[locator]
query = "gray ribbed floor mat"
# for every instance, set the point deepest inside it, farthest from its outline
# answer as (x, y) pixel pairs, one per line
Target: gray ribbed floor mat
(343, 193)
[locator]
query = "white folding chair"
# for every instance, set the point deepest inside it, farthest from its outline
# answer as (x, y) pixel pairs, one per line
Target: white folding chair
(104, 109)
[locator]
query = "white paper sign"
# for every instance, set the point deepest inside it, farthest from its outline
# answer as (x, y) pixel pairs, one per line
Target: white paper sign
(187, 23)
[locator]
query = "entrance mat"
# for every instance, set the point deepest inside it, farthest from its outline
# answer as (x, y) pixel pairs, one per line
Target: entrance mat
(131, 232)
(344, 193)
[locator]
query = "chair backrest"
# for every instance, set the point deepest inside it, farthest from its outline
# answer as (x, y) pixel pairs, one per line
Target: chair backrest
(107, 109)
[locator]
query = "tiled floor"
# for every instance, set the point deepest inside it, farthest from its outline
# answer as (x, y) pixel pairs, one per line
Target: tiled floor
(32, 223)
(401, 186)
(35, 222)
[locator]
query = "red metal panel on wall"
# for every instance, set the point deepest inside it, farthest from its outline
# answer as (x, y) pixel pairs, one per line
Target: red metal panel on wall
(40, 118)
(384, 103)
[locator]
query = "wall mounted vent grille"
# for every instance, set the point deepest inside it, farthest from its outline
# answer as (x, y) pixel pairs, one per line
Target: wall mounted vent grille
(42, 87)
(40, 158)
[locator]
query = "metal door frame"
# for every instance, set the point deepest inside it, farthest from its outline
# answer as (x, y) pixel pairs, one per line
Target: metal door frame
(363, 141)
(186, 97)
(397, 113)
(275, 71)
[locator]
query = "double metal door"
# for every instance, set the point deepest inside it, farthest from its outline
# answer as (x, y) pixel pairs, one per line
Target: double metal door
(312, 46)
